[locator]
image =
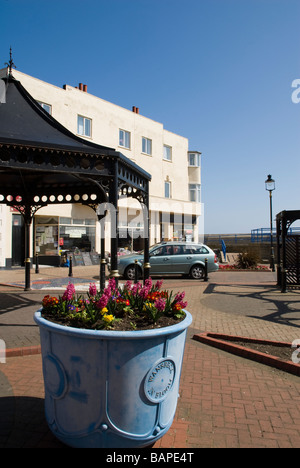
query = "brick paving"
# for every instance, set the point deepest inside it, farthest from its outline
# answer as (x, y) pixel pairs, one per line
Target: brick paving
(225, 401)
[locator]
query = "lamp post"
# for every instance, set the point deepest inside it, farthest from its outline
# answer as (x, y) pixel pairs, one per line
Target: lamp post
(270, 186)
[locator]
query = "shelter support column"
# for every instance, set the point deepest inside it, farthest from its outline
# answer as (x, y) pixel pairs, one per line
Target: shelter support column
(147, 265)
(101, 219)
(27, 221)
(283, 264)
(113, 196)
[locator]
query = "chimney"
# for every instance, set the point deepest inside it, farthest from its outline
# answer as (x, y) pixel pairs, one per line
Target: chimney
(137, 110)
(85, 88)
(81, 86)
(134, 109)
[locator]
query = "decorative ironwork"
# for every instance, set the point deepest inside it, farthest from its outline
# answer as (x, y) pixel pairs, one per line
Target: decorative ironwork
(293, 261)
(10, 64)
(288, 251)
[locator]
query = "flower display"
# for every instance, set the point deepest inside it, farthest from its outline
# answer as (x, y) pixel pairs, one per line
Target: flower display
(130, 306)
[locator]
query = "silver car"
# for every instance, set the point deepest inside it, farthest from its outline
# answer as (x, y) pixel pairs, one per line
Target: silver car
(172, 258)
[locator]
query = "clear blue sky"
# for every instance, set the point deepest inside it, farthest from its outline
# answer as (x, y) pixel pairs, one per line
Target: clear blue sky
(218, 72)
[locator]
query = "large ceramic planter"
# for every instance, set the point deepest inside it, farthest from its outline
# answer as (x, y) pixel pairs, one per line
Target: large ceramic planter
(109, 388)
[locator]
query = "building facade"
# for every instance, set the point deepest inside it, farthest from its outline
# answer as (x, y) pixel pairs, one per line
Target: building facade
(176, 209)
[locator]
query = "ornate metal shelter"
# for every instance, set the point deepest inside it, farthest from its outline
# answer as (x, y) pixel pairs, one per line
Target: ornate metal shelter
(288, 251)
(41, 163)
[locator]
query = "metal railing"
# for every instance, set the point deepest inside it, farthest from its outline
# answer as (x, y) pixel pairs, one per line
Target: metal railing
(264, 234)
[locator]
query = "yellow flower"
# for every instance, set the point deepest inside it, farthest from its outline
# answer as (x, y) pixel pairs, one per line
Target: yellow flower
(108, 318)
(104, 310)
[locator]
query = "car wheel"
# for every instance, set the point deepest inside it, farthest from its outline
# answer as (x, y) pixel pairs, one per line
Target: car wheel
(197, 272)
(129, 273)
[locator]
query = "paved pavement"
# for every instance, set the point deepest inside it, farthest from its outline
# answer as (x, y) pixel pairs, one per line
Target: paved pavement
(225, 401)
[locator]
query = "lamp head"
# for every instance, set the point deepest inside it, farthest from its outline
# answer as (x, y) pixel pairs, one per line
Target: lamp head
(270, 183)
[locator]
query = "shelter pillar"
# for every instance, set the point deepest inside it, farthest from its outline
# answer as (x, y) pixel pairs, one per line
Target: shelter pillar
(27, 216)
(146, 236)
(113, 198)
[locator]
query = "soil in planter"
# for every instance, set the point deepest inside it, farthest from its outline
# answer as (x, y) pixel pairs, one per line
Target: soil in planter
(127, 323)
(281, 352)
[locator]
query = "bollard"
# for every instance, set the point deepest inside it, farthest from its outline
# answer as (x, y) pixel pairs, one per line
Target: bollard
(206, 270)
(71, 266)
(136, 271)
(37, 270)
(102, 274)
(27, 274)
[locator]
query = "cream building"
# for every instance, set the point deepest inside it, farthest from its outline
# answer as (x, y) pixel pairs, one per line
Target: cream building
(176, 210)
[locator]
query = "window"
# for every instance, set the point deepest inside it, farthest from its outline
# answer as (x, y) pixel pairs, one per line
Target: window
(124, 139)
(195, 249)
(195, 193)
(167, 153)
(194, 159)
(146, 146)
(164, 250)
(46, 107)
(84, 126)
(167, 189)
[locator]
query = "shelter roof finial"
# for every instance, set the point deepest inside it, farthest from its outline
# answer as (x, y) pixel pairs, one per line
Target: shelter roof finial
(10, 64)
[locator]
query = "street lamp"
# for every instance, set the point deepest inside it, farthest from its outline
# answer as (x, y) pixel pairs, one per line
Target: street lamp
(270, 186)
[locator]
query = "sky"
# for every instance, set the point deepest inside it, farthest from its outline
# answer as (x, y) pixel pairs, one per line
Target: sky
(223, 73)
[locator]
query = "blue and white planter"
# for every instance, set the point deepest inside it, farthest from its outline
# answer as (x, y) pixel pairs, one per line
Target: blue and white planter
(111, 389)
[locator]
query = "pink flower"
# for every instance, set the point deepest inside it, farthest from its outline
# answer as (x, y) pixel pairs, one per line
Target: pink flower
(179, 297)
(135, 288)
(112, 283)
(69, 293)
(158, 284)
(160, 304)
(144, 292)
(92, 289)
(102, 302)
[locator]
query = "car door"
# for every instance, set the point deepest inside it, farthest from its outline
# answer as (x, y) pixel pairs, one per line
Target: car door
(181, 259)
(161, 260)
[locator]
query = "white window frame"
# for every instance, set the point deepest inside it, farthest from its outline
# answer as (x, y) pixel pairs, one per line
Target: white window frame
(195, 193)
(46, 107)
(167, 189)
(124, 138)
(196, 162)
(84, 128)
(147, 146)
(167, 156)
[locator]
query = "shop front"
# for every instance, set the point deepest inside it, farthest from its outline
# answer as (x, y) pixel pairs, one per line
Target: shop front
(58, 237)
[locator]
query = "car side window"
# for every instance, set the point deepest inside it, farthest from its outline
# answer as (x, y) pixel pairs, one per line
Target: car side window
(200, 250)
(193, 250)
(189, 249)
(163, 250)
(177, 250)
